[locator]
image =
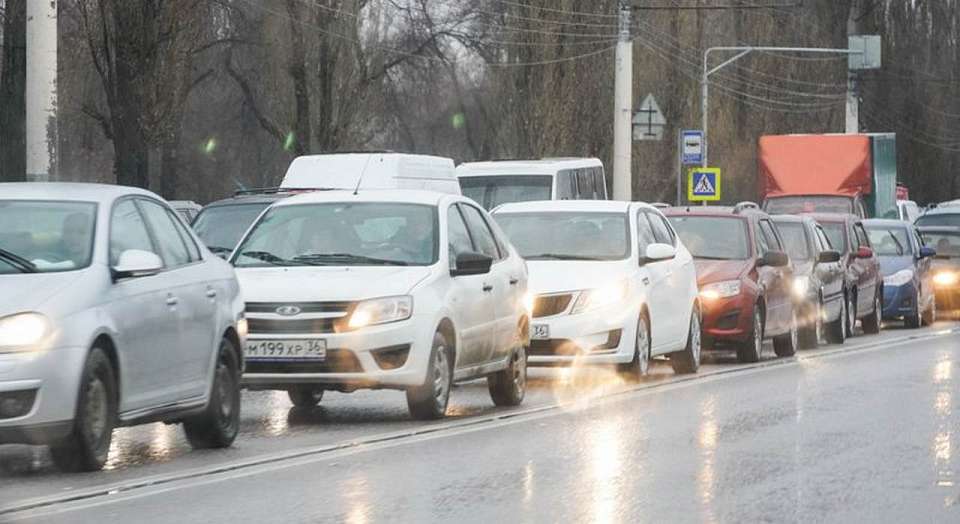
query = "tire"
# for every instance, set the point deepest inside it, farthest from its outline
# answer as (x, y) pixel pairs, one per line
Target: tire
(751, 349)
(687, 361)
(786, 345)
(872, 322)
(837, 329)
(930, 315)
(429, 400)
(508, 387)
(218, 425)
(851, 321)
(635, 369)
(87, 446)
(812, 333)
(914, 319)
(305, 397)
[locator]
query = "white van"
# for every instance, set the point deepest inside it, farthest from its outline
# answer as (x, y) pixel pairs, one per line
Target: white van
(508, 181)
(380, 170)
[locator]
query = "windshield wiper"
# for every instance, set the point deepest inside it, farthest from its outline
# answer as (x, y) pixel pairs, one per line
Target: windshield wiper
(701, 257)
(24, 265)
(900, 249)
(332, 258)
(554, 256)
(270, 258)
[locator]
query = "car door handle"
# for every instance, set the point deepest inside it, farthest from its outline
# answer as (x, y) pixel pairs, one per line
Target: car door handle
(172, 300)
(487, 288)
(211, 293)
(514, 281)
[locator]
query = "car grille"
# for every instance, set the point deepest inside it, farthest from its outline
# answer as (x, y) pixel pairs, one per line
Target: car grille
(549, 305)
(337, 361)
(263, 326)
(564, 347)
(305, 307)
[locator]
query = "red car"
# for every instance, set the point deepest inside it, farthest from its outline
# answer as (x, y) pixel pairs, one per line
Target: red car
(745, 278)
(863, 280)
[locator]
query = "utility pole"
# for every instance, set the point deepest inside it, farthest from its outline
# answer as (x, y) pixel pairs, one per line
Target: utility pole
(623, 108)
(41, 95)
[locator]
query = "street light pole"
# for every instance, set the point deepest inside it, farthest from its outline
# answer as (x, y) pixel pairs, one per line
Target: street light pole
(623, 109)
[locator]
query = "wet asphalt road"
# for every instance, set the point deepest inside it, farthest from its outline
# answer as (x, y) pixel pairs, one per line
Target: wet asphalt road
(843, 435)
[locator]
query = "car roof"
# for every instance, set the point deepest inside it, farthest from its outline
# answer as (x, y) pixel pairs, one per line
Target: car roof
(69, 191)
(944, 209)
(790, 218)
(405, 196)
(255, 198)
(545, 166)
(833, 217)
(939, 229)
(585, 206)
(713, 211)
(888, 222)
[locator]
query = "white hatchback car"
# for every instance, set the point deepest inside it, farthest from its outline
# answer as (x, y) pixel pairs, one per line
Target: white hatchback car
(112, 313)
(610, 283)
(396, 289)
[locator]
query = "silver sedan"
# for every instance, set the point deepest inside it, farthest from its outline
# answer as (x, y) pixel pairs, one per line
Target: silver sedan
(112, 313)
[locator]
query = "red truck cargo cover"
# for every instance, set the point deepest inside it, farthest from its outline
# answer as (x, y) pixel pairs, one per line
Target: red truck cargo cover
(814, 165)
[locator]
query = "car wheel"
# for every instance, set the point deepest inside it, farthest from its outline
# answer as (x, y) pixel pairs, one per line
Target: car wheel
(751, 349)
(508, 387)
(872, 322)
(429, 401)
(851, 320)
(930, 315)
(786, 345)
(688, 360)
(305, 397)
(837, 329)
(914, 319)
(637, 368)
(218, 425)
(812, 332)
(88, 444)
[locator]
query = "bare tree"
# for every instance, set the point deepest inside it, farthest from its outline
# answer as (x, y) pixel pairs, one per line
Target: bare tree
(12, 84)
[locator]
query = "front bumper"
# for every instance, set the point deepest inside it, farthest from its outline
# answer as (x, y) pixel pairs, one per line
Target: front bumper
(54, 378)
(352, 360)
(899, 301)
(601, 337)
(948, 298)
(727, 320)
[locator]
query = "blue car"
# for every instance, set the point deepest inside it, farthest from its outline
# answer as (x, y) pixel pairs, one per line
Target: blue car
(906, 265)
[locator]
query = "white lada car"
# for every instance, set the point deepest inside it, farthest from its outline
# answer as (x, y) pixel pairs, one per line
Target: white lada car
(610, 283)
(397, 289)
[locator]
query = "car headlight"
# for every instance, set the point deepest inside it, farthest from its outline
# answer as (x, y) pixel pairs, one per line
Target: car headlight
(899, 278)
(726, 289)
(381, 311)
(602, 296)
(23, 331)
(800, 286)
(529, 301)
(946, 279)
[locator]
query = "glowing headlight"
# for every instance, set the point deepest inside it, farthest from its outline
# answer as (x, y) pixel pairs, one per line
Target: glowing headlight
(600, 297)
(727, 289)
(946, 279)
(23, 331)
(381, 311)
(800, 286)
(899, 278)
(529, 301)
(243, 328)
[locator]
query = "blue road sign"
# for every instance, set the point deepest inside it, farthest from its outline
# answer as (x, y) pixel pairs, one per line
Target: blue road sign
(692, 147)
(703, 184)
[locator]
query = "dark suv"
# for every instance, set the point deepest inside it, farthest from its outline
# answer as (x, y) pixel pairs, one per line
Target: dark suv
(745, 278)
(863, 282)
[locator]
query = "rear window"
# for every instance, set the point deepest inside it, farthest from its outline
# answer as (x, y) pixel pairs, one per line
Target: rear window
(713, 238)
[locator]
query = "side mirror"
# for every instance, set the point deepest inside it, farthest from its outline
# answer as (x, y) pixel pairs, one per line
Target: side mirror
(828, 257)
(864, 252)
(135, 263)
(472, 264)
(774, 259)
(927, 252)
(659, 252)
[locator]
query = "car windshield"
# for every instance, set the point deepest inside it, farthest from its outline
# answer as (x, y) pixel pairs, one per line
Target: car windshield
(889, 241)
(491, 191)
(947, 243)
(944, 219)
(220, 227)
(836, 235)
(45, 236)
(567, 235)
(713, 237)
(793, 205)
(795, 240)
(342, 234)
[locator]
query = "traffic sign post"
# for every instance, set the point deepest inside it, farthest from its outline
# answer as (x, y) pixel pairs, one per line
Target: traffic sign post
(703, 184)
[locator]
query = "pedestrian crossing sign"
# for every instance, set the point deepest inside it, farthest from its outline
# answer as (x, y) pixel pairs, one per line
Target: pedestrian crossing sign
(703, 184)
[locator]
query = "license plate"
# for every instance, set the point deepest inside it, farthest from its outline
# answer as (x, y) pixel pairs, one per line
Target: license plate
(286, 349)
(540, 331)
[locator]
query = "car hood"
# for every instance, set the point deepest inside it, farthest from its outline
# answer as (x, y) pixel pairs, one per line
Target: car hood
(549, 276)
(711, 271)
(28, 291)
(313, 284)
(890, 265)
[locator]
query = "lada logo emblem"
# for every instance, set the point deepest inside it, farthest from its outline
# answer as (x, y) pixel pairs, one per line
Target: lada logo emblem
(288, 311)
